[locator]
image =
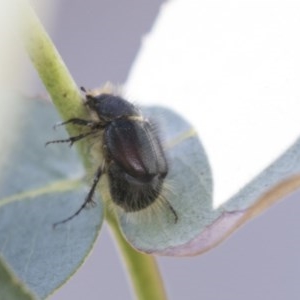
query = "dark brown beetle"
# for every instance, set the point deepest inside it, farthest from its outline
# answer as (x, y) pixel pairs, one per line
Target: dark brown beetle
(134, 160)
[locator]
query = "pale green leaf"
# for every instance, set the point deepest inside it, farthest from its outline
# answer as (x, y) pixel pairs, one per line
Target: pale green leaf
(39, 186)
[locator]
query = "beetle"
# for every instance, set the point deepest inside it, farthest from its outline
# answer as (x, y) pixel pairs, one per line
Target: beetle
(133, 157)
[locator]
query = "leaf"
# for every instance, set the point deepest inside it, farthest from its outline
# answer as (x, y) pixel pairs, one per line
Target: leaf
(201, 226)
(11, 288)
(190, 191)
(40, 186)
(241, 100)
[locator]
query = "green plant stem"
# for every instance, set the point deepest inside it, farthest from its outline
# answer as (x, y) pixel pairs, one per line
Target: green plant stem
(53, 72)
(145, 276)
(67, 99)
(11, 286)
(51, 68)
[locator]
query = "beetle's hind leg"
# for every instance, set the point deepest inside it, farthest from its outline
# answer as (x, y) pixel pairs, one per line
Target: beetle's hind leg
(88, 198)
(173, 211)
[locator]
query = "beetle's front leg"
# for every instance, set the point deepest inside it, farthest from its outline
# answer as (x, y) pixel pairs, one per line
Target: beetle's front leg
(72, 139)
(77, 121)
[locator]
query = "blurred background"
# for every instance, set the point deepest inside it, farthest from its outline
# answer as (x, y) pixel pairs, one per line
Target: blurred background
(98, 41)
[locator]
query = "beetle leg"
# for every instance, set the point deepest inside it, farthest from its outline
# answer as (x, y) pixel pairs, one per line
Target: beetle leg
(77, 121)
(173, 211)
(72, 139)
(99, 172)
(88, 199)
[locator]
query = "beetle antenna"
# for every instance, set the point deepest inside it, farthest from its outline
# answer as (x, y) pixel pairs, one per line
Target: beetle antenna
(83, 89)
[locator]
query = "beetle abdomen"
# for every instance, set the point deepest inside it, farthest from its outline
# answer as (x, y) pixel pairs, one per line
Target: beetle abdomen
(137, 163)
(131, 193)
